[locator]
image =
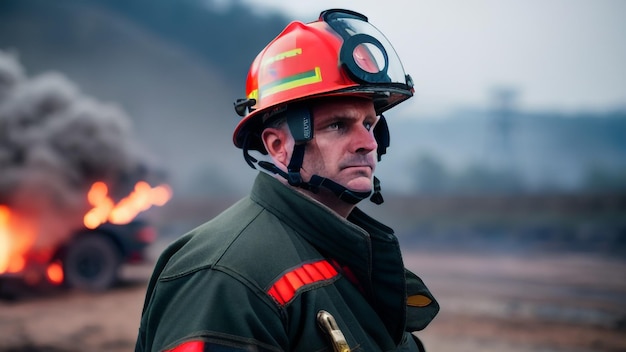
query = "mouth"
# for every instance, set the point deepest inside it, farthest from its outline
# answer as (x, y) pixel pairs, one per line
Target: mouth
(359, 170)
(364, 166)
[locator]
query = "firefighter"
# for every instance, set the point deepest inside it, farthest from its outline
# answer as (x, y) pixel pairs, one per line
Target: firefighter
(296, 265)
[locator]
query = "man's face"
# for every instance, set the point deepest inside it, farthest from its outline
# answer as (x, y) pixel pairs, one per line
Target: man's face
(343, 148)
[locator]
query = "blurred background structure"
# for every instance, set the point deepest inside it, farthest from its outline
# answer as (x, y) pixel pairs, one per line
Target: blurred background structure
(515, 143)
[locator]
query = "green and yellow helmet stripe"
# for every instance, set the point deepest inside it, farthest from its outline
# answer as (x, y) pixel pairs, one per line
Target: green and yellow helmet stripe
(291, 82)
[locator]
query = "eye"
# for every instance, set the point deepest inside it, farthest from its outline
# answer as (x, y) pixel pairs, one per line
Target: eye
(336, 125)
(368, 126)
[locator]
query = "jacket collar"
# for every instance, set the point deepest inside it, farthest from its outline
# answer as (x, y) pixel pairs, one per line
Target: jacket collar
(319, 225)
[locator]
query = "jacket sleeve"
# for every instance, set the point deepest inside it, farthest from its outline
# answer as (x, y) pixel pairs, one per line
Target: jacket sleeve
(209, 308)
(421, 305)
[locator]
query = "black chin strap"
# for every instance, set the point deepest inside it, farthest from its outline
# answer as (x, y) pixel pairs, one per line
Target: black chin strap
(347, 195)
(295, 179)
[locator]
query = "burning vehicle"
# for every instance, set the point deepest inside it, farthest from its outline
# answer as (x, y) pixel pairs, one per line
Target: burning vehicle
(73, 184)
(88, 258)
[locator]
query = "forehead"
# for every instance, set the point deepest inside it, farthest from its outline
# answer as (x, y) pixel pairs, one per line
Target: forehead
(343, 107)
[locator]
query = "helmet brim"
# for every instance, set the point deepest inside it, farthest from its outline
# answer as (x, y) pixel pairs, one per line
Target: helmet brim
(247, 133)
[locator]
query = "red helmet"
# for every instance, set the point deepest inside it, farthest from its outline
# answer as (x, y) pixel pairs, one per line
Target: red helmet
(339, 54)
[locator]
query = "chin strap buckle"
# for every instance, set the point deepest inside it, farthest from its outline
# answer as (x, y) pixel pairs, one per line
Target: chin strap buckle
(377, 197)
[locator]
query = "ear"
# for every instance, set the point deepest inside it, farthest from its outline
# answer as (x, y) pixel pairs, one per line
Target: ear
(277, 142)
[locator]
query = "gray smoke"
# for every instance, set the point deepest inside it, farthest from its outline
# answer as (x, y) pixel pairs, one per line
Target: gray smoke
(55, 142)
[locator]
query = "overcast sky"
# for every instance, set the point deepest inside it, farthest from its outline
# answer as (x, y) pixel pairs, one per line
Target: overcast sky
(560, 54)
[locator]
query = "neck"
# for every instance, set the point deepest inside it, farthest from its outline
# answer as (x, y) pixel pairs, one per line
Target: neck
(330, 200)
(325, 198)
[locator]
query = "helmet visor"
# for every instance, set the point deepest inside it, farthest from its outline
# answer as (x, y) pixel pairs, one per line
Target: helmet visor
(366, 54)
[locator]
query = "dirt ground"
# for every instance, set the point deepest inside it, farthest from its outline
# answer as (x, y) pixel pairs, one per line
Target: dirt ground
(496, 302)
(524, 302)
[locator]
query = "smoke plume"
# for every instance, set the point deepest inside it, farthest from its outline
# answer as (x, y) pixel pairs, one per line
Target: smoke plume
(55, 142)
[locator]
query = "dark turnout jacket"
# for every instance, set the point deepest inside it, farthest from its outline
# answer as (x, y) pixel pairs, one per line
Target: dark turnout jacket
(256, 277)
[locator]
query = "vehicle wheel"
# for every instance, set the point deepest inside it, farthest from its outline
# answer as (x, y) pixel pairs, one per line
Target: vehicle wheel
(91, 263)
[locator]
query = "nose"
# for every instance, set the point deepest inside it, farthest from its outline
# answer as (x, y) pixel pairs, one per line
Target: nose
(364, 141)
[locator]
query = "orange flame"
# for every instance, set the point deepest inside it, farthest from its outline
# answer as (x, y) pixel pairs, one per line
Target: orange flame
(54, 273)
(5, 241)
(140, 199)
(15, 241)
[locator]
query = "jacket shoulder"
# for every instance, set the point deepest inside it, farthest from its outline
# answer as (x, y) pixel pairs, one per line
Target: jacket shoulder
(245, 241)
(203, 246)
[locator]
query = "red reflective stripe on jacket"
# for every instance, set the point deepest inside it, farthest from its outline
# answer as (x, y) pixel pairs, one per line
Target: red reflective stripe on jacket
(190, 346)
(284, 289)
